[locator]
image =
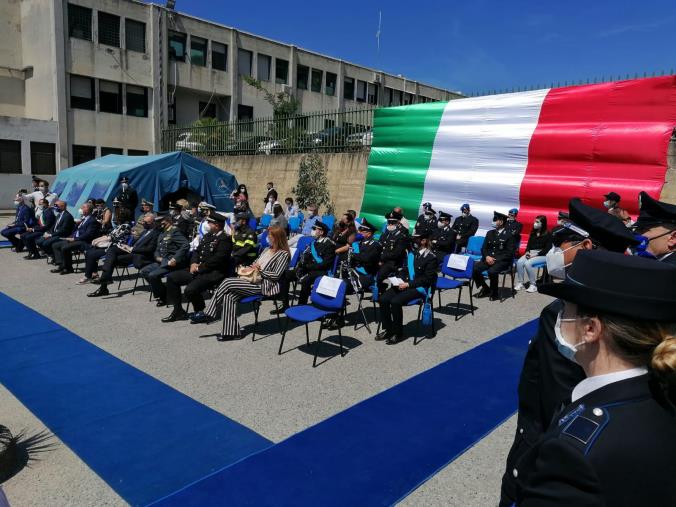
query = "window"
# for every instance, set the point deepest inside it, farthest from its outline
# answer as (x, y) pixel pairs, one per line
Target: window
(207, 110)
(198, 51)
(82, 92)
(137, 153)
(316, 84)
(361, 91)
(397, 97)
(111, 151)
(219, 56)
(264, 65)
(302, 75)
(43, 158)
(244, 60)
(281, 71)
(82, 154)
(348, 88)
(137, 101)
(10, 157)
(79, 22)
(388, 96)
(135, 35)
(171, 112)
(331, 80)
(110, 97)
(177, 46)
(109, 29)
(373, 94)
(408, 99)
(245, 112)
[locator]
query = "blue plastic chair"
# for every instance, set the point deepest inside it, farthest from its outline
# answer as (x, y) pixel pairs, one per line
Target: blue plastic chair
(294, 224)
(474, 244)
(328, 220)
(302, 244)
(263, 241)
(322, 307)
(256, 301)
(253, 225)
(264, 222)
(458, 279)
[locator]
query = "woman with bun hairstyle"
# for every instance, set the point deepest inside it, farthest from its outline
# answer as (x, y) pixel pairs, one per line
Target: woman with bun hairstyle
(614, 444)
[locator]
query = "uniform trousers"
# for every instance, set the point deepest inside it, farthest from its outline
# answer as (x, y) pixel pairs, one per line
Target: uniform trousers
(11, 233)
(391, 308)
(228, 293)
(115, 256)
(30, 242)
(388, 268)
(195, 285)
(153, 274)
(63, 252)
(493, 273)
(92, 260)
(291, 275)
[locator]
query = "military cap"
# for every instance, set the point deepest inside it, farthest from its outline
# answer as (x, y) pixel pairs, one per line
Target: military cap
(612, 196)
(427, 205)
(217, 218)
(654, 212)
(206, 205)
(146, 202)
(499, 216)
(444, 216)
(423, 234)
(124, 179)
(599, 226)
(563, 215)
(241, 216)
(514, 211)
(175, 206)
(162, 215)
(464, 207)
(366, 225)
(393, 215)
(613, 283)
(321, 225)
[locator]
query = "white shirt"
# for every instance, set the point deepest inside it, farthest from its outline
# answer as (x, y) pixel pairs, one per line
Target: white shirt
(268, 208)
(591, 384)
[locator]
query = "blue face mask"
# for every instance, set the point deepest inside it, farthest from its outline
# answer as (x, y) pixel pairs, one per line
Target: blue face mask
(641, 250)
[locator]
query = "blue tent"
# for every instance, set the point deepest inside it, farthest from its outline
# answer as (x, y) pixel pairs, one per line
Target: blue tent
(153, 177)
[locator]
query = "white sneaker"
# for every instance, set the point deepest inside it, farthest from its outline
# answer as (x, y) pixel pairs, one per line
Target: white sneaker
(532, 288)
(518, 286)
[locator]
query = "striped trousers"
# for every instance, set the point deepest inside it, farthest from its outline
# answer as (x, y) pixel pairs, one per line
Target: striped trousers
(228, 293)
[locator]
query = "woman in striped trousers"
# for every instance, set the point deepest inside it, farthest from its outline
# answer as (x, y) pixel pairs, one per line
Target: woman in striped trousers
(271, 264)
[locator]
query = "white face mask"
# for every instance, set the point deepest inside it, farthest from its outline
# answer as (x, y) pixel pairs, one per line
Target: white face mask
(537, 226)
(80, 213)
(311, 213)
(606, 204)
(391, 228)
(125, 186)
(556, 264)
(271, 199)
(494, 224)
(441, 225)
(465, 213)
(207, 228)
(565, 349)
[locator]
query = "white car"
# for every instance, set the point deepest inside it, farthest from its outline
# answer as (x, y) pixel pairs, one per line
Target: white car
(359, 139)
(268, 147)
(185, 143)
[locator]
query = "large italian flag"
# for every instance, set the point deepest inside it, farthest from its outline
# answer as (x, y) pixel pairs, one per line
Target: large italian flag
(532, 150)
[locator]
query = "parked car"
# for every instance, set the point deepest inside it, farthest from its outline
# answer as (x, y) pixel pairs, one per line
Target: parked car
(186, 142)
(360, 139)
(333, 136)
(247, 146)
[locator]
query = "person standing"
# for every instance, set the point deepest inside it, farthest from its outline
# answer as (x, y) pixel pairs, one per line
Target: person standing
(497, 255)
(515, 227)
(127, 196)
(271, 196)
(539, 243)
(146, 207)
(612, 200)
(427, 221)
(465, 226)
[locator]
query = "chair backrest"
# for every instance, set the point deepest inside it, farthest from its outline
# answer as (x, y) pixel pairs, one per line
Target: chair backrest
(263, 240)
(458, 273)
(294, 224)
(329, 220)
(302, 244)
(474, 244)
(265, 220)
(333, 270)
(326, 302)
(252, 223)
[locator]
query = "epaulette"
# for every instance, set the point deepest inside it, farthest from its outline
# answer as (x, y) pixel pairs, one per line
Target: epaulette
(582, 426)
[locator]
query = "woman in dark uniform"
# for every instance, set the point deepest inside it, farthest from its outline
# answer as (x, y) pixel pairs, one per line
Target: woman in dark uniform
(615, 443)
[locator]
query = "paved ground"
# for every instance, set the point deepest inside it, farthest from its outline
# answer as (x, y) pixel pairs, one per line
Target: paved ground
(276, 396)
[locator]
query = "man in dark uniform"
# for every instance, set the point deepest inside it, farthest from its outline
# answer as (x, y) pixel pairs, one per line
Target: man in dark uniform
(208, 267)
(394, 242)
(443, 238)
(547, 377)
(171, 254)
(127, 196)
(465, 226)
(427, 221)
(514, 226)
(656, 228)
(315, 261)
(497, 255)
(366, 254)
(419, 278)
(244, 242)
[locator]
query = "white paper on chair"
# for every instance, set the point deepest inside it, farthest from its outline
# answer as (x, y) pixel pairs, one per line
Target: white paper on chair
(395, 281)
(458, 262)
(329, 286)
(292, 251)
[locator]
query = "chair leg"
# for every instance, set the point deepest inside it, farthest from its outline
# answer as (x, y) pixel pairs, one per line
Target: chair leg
(340, 341)
(457, 307)
(281, 343)
(279, 320)
(307, 334)
(319, 338)
(439, 297)
(138, 273)
(125, 270)
(471, 299)
(513, 291)
(257, 308)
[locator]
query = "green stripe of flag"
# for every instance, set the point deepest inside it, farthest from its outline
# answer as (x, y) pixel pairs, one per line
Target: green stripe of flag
(403, 138)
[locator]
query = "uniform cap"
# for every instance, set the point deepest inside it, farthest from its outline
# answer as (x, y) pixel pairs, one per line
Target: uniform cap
(124, 179)
(612, 196)
(205, 205)
(216, 218)
(321, 225)
(444, 216)
(464, 207)
(366, 225)
(499, 216)
(393, 215)
(654, 212)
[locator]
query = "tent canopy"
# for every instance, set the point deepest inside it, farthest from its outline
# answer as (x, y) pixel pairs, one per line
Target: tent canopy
(152, 176)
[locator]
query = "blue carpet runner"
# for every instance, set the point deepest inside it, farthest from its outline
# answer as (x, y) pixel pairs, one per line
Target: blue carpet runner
(142, 437)
(378, 451)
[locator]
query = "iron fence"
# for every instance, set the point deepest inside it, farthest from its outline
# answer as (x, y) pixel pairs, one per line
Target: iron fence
(324, 131)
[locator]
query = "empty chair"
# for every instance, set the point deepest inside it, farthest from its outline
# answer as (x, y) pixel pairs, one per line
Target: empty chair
(474, 245)
(456, 279)
(329, 220)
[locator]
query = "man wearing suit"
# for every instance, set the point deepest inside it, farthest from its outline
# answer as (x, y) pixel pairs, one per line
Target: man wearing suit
(62, 228)
(23, 218)
(140, 254)
(208, 267)
(79, 241)
(45, 222)
(171, 254)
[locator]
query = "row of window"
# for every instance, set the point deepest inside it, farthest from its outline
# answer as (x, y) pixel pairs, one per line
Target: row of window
(110, 94)
(80, 27)
(83, 153)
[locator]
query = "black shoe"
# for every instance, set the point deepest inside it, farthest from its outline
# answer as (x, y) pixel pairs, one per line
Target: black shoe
(29, 257)
(227, 337)
(175, 315)
(50, 260)
(384, 335)
(161, 302)
(494, 297)
(65, 271)
(101, 291)
(393, 340)
(56, 270)
(200, 318)
(279, 310)
(483, 293)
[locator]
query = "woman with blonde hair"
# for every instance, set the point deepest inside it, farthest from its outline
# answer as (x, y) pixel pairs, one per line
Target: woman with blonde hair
(262, 277)
(615, 443)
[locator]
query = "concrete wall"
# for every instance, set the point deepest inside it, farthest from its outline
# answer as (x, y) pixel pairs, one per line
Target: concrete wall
(346, 175)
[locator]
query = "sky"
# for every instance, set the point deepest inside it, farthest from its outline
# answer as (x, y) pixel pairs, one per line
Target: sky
(475, 46)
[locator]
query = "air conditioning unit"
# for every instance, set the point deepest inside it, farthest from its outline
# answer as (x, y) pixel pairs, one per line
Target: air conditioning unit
(286, 89)
(376, 78)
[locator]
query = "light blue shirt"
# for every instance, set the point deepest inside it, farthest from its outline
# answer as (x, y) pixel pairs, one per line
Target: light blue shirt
(307, 226)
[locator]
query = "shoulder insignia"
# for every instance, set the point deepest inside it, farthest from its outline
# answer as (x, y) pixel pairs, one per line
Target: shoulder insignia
(581, 429)
(584, 427)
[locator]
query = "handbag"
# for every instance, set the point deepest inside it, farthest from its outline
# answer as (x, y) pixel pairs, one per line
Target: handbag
(249, 274)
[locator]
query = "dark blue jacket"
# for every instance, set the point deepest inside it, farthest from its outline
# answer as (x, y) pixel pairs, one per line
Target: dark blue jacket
(63, 225)
(87, 230)
(48, 219)
(24, 216)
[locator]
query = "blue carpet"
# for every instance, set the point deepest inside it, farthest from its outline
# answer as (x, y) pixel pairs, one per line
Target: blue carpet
(5, 244)
(378, 451)
(142, 437)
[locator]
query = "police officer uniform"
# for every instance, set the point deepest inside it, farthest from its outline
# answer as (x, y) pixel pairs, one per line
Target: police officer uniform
(514, 226)
(499, 244)
(654, 213)
(138, 228)
(427, 221)
(127, 198)
(547, 378)
(366, 255)
(614, 442)
(394, 245)
(443, 238)
(465, 226)
(244, 243)
(211, 257)
(421, 275)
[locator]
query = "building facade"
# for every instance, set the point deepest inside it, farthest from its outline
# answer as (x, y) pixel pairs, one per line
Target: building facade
(85, 78)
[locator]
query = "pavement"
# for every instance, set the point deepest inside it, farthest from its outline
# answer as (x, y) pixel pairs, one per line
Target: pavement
(276, 396)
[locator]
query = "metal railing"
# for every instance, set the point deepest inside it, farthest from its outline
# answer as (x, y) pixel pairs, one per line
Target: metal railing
(323, 131)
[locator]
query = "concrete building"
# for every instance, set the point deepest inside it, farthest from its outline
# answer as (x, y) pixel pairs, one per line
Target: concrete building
(84, 78)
